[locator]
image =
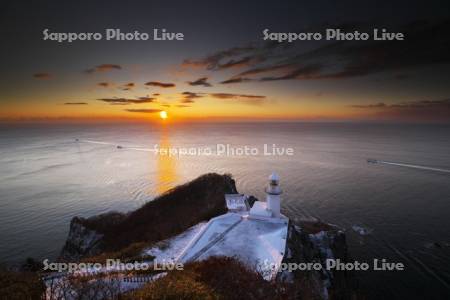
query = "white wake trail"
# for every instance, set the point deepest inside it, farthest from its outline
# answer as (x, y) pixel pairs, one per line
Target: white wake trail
(117, 145)
(141, 149)
(408, 165)
(96, 142)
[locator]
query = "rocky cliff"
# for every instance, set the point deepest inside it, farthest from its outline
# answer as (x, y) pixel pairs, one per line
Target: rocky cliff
(81, 241)
(315, 242)
(166, 216)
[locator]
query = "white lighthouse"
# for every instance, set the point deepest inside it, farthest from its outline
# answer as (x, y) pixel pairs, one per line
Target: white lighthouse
(273, 196)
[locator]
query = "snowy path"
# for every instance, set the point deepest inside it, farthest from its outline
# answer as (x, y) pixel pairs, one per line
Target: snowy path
(214, 241)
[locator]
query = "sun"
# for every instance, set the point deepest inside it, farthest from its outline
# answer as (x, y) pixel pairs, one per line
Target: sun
(163, 114)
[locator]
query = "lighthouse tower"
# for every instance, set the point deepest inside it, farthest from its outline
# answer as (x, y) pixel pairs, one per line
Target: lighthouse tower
(273, 196)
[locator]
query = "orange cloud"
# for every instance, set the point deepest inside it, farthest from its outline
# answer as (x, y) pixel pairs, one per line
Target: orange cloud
(125, 101)
(144, 110)
(103, 68)
(103, 84)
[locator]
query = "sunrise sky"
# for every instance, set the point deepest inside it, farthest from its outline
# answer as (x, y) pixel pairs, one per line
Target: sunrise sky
(223, 70)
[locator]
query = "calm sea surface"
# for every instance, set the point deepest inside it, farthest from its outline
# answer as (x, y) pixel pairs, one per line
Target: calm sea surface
(47, 177)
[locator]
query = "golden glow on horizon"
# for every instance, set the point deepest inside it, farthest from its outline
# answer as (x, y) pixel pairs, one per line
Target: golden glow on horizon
(52, 104)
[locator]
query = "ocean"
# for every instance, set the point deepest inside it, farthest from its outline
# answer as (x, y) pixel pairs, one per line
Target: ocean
(53, 172)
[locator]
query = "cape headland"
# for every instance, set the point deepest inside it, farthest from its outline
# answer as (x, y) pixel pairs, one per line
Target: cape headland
(206, 224)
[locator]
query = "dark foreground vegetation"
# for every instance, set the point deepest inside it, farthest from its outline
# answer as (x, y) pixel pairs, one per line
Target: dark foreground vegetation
(20, 285)
(215, 278)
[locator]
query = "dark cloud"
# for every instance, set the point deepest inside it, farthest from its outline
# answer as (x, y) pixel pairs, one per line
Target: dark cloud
(182, 105)
(125, 101)
(444, 104)
(192, 95)
(104, 84)
(425, 43)
(232, 63)
(188, 97)
(425, 110)
(302, 72)
(265, 69)
(147, 98)
(103, 68)
(160, 84)
(75, 103)
(235, 96)
(235, 80)
(144, 110)
(376, 105)
(156, 94)
(201, 81)
(223, 59)
(42, 76)
(128, 86)
(242, 98)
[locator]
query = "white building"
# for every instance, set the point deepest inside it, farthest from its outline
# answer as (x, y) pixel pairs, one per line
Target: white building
(237, 202)
(256, 236)
(270, 208)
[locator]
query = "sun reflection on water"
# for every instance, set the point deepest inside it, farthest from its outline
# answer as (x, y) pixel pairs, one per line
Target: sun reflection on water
(166, 168)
